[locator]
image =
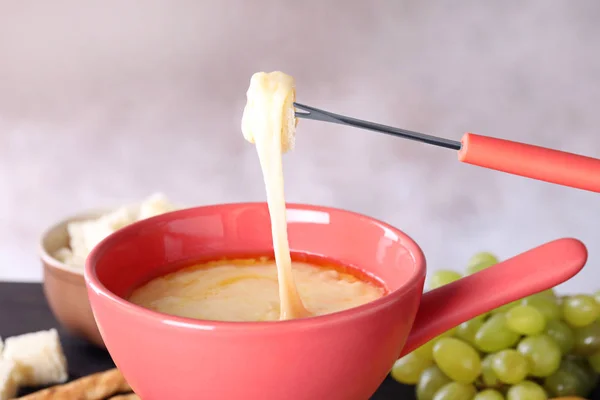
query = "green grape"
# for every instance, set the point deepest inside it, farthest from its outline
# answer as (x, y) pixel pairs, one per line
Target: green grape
(503, 309)
(456, 391)
(571, 379)
(594, 361)
(562, 334)
(587, 339)
(494, 335)
(542, 354)
(526, 320)
(425, 351)
(489, 394)
(409, 368)
(449, 333)
(481, 261)
(549, 292)
(457, 359)
(580, 310)
(545, 304)
(597, 296)
(563, 383)
(467, 330)
(432, 380)
(581, 368)
(510, 366)
(429, 345)
(443, 277)
(488, 376)
(526, 390)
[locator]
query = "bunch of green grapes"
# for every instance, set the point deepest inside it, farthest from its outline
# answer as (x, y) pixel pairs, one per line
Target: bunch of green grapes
(539, 347)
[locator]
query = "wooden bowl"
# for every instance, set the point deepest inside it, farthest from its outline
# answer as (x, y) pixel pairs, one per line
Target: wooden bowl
(64, 286)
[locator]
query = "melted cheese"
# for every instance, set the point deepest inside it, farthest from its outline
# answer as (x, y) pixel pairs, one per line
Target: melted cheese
(249, 291)
(269, 123)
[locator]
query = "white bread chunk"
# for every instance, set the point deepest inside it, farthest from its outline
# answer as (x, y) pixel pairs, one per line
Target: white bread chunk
(8, 383)
(65, 255)
(270, 109)
(85, 235)
(1, 347)
(154, 205)
(38, 358)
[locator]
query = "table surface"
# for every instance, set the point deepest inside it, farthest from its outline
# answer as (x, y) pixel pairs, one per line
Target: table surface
(23, 309)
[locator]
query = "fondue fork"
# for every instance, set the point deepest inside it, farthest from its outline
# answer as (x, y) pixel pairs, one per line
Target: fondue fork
(548, 165)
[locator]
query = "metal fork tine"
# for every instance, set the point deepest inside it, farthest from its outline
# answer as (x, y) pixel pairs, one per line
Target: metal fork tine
(306, 108)
(300, 106)
(316, 114)
(325, 116)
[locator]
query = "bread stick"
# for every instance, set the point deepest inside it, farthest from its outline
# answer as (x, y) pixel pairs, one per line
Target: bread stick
(129, 396)
(92, 387)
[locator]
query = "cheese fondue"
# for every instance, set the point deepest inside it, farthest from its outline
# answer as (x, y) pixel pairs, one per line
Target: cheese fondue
(269, 122)
(260, 290)
(248, 291)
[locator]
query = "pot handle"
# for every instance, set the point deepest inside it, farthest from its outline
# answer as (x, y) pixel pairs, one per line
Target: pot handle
(528, 273)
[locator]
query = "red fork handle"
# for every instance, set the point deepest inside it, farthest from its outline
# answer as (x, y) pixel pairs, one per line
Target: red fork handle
(535, 162)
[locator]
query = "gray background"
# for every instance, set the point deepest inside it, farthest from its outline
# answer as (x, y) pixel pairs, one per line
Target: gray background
(103, 103)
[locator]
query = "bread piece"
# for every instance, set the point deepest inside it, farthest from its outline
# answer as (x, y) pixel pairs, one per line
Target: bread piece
(8, 384)
(65, 255)
(92, 387)
(85, 235)
(38, 358)
(155, 205)
(270, 104)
